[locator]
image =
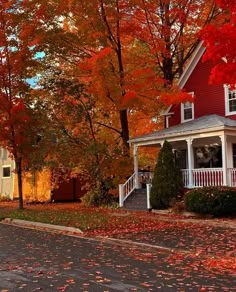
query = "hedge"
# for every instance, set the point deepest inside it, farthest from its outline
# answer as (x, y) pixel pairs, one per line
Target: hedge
(216, 201)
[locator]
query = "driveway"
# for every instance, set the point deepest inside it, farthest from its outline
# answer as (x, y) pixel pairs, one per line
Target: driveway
(33, 260)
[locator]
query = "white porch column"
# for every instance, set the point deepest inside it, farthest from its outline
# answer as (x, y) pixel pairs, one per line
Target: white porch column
(224, 166)
(190, 162)
(136, 166)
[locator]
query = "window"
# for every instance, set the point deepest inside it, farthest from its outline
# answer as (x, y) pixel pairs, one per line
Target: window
(234, 155)
(187, 111)
(209, 156)
(230, 101)
(6, 171)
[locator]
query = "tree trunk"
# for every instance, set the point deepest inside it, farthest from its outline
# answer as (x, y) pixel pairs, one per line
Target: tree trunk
(124, 130)
(168, 70)
(19, 181)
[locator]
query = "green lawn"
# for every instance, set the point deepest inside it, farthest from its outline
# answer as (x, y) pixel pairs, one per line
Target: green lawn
(94, 221)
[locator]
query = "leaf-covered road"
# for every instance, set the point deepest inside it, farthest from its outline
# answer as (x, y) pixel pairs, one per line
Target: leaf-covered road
(32, 260)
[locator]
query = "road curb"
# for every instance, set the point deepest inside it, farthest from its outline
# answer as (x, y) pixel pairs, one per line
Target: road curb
(76, 232)
(39, 225)
(125, 242)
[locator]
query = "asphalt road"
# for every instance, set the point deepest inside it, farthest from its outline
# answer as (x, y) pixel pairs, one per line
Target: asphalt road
(32, 260)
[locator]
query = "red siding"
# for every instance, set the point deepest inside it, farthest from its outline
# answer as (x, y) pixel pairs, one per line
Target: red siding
(209, 98)
(175, 119)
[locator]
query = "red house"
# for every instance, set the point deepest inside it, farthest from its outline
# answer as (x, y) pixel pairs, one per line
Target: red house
(202, 132)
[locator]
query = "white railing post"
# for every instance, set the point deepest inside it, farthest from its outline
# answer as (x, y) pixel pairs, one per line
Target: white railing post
(136, 167)
(185, 177)
(148, 196)
(121, 195)
(229, 177)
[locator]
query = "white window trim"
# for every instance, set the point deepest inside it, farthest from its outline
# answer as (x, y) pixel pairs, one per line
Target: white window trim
(182, 110)
(5, 166)
(227, 112)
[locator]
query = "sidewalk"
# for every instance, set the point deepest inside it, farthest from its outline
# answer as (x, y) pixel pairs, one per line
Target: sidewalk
(190, 217)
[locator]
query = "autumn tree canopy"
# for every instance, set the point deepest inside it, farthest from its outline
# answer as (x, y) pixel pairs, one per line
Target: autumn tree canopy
(18, 113)
(171, 31)
(220, 42)
(126, 52)
(108, 68)
(113, 66)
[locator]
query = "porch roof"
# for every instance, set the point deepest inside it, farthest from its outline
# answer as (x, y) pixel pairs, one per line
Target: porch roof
(204, 124)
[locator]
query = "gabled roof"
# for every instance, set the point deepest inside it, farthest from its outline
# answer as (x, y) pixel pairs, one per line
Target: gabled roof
(203, 124)
(191, 65)
(199, 51)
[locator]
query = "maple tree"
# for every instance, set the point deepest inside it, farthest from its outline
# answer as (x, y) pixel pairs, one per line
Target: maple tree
(171, 31)
(76, 121)
(220, 42)
(116, 59)
(120, 53)
(18, 121)
(133, 48)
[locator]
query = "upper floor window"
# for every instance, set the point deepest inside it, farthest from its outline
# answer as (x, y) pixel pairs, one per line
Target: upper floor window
(187, 111)
(230, 101)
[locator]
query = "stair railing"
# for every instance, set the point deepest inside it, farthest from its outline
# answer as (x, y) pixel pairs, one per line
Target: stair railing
(126, 189)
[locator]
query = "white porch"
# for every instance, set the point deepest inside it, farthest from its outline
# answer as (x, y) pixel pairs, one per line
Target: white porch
(207, 148)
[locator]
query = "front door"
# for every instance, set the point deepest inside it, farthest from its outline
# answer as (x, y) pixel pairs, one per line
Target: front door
(181, 158)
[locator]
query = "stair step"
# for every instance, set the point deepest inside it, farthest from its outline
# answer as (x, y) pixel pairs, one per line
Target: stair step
(140, 191)
(137, 201)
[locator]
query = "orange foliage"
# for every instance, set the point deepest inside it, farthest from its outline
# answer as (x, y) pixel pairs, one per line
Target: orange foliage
(175, 96)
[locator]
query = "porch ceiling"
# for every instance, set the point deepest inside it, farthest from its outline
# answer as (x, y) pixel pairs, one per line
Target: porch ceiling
(206, 124)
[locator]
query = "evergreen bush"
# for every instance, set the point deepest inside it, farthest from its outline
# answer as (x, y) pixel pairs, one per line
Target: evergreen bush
(215, 201)
(167, 182)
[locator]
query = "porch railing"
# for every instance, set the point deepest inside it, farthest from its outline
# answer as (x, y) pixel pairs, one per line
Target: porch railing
(231, 176)
(200, 177)
(206, 177)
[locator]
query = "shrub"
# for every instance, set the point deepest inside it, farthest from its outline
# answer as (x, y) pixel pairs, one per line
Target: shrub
(95, 198)
(167, 182)
(178, 207)
(216, 201)
(4, 198)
